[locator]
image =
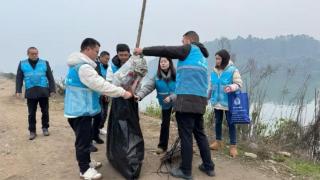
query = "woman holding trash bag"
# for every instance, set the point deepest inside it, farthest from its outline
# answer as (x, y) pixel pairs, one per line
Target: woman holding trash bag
(165, 84)
(225, 78)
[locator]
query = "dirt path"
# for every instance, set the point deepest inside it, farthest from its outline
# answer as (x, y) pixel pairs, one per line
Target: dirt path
(53, 157)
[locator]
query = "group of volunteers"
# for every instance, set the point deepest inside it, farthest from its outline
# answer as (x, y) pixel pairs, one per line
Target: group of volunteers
(185, 89)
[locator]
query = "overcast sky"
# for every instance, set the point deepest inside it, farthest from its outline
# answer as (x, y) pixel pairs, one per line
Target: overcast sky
(57, 27)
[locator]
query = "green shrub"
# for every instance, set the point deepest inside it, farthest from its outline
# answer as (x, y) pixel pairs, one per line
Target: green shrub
(153, 110)
(305, 168)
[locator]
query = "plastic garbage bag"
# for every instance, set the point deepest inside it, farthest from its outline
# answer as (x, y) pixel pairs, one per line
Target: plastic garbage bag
(130, 74)
(125, 144)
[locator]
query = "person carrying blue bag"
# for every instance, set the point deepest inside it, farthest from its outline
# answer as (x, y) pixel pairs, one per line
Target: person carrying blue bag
(165, 84)
(225, 78)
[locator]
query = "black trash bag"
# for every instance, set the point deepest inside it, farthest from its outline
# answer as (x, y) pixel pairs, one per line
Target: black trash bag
(125, 145)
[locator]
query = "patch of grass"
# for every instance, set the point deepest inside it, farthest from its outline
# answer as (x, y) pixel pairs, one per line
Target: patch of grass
(153, 110)
(208, 118)
(304, 168)
(279, 158)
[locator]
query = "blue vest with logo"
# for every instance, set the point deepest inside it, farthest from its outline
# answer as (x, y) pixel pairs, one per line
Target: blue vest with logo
(219, 82)
(35, 77)
(164, 89)
(192, 77)
(114, 68)
(79, 99)
(103, 70)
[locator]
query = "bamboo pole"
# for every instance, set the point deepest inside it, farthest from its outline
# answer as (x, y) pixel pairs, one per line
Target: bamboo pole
(141, 23)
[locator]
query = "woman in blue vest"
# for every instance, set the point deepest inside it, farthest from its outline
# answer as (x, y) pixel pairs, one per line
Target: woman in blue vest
(165, 84)
(225, 78)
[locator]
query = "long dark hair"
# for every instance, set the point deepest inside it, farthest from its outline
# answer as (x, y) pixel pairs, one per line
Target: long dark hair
(171, 68)
(224, 54)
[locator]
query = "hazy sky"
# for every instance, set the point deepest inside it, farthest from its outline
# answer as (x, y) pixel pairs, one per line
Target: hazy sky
(57, 27)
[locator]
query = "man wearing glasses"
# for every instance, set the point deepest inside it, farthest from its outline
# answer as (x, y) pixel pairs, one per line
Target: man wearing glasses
(39, 85)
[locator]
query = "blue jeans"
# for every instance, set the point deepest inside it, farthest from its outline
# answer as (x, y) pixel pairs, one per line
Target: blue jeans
(232, 128)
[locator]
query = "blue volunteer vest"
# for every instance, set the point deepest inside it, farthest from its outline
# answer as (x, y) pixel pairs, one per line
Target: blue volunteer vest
(114, 68)
(79, 99)
(192, 77)
(35, 77)
(103, 70)
(164, 89)
(219, 83)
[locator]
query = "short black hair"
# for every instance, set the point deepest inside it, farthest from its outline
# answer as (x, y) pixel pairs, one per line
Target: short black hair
(193, 36)
(32, 47)
(123, 47)
(89, 42)
(104, 53)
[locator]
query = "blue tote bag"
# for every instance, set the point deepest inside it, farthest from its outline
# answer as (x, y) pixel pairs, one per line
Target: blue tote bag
(238, 107)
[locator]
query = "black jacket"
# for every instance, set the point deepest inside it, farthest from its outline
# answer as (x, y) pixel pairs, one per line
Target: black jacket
(35, 92)
(174, 52)
(98, 68)
(184, 103)
(116, 61)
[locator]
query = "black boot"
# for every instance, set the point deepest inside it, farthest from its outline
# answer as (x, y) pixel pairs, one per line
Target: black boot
(98, 140)
(208, 172)
(93, 148)
(179, 174)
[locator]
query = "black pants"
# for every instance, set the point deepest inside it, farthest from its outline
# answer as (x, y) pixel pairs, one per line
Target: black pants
(96, 125)
(104, 111)
(165, 129)
(82, 130)
(99, 119)
(32, 109)
(189, 123)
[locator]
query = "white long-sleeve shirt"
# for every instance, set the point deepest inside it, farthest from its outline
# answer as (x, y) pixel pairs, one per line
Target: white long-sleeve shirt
(89, 76)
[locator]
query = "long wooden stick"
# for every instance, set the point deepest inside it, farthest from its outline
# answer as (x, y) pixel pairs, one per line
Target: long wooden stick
(141, 23)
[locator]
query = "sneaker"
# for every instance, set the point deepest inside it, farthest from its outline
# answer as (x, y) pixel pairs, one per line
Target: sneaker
(91, 174)
(98, 140)
(208, 172)
(32, 136)
(95, 164)
(93, 148)
(160, 150)
(179, 174)
(103, 131)
(45, 131)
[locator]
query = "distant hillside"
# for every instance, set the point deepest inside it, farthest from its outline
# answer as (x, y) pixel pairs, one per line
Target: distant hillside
(8, 75)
